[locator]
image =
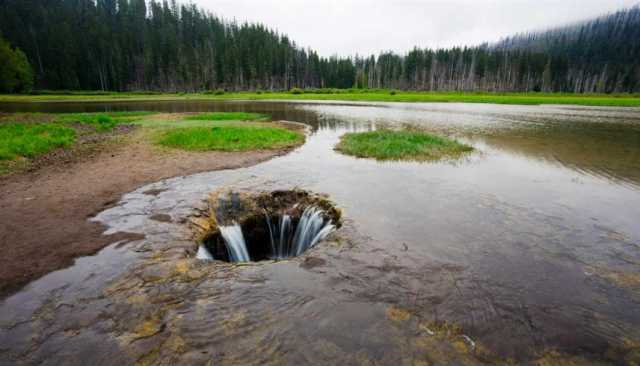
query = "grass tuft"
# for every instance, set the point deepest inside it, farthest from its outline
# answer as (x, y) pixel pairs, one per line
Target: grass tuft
(228, 116)
(409, 145)
(230, 138)
(103, 121)
(31, 140)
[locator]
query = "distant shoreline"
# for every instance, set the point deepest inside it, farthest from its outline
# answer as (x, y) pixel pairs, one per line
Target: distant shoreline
(364, 95)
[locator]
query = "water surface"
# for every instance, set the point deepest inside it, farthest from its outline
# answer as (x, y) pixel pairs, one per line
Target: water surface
(529, 244)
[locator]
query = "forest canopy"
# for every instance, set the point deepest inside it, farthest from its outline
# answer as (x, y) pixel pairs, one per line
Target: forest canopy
(124, 45)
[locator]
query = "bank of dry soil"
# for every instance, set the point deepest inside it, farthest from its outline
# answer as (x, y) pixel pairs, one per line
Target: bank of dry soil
(44, 212)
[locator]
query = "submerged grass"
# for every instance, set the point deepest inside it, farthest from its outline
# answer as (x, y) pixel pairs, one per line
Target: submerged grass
(164, 124)
(18, 140)
(365, 95)
(103, 121)
(412, 145)
(227, 116)
(229, 138)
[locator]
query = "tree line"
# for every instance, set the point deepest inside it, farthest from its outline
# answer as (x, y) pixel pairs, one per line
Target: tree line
(600, 55)
(155, 45)
(167, 46)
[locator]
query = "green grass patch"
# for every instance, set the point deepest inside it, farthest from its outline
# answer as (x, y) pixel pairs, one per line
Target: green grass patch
(31, 140)
(363, 95)
(409, 145)
(227, 116)
(103, 121)
(229, 138)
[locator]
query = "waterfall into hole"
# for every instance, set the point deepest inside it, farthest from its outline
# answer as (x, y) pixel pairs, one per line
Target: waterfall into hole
(268, 237)
(287, 242)
(280, 236)
(311, 229)
(236, 244)
(204, 253)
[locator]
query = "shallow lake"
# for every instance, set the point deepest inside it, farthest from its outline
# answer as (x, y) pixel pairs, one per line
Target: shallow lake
(529, 244)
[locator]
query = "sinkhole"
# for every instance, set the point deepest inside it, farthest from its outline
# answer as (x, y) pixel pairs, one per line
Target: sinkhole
(252, 227)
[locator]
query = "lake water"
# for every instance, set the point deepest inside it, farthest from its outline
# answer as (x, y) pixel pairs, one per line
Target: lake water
(530, 244)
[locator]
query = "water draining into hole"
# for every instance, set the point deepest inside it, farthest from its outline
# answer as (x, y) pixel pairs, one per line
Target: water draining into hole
(311, 228)
(244, 227)
(236, 245)
(204, 254)
(285, 242)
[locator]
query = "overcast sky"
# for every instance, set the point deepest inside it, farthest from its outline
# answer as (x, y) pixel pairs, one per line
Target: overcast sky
(347, 27)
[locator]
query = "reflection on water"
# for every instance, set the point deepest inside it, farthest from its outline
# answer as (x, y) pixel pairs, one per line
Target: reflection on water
(530, 244)
(610, 151)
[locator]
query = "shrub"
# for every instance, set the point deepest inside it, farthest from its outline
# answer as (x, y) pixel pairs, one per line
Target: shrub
(296, 91)
(16, 75)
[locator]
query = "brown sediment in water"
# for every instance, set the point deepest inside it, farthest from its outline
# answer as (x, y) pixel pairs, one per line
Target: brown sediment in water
(154, 325)
(628, 281)
(44, 212)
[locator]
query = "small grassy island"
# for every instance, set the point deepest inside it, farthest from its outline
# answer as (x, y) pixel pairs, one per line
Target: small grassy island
(230, 137)
(227, 131)
(410, 145)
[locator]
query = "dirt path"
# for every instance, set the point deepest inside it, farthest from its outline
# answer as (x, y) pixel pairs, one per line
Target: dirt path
(43, 214)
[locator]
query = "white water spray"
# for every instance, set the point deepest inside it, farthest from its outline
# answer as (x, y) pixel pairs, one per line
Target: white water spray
(280, 236)
(311, 228)
(236, 245)
(204, 254)
(285, 242)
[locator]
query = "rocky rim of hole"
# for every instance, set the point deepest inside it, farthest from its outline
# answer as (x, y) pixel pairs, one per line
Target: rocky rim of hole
(225, 207)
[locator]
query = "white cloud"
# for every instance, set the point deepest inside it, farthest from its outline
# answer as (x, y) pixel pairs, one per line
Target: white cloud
(347, 27)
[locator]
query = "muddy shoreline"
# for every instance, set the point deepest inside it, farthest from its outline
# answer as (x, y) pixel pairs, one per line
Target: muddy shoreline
(44, 211)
